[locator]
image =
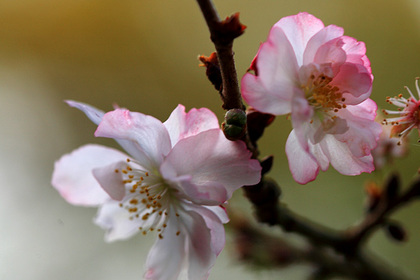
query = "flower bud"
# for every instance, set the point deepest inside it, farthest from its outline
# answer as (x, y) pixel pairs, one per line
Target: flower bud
(392, 188)
(234, 126)
(395, 231)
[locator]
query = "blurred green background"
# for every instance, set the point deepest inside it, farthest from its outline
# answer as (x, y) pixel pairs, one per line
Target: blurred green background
(142, 54)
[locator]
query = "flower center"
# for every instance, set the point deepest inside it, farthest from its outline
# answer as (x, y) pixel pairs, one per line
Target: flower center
(322, 95)
(148, 198)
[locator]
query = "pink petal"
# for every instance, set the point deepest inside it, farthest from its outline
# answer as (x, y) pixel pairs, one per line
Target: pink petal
(342, 158)
(111, 180)
(271, 91)
(354, 81)
(210, 159)
(299, 29)
(73, 176)
(147, 133)
(356, 52)
(303, 166)
(364, 132)
(302, 114)
(332, 55)
(181, 125)
(167, 256)
(95, 115)
(325, 46)
(116, 222)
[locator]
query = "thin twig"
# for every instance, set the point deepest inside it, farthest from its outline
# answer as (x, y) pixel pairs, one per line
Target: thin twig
(222, 34)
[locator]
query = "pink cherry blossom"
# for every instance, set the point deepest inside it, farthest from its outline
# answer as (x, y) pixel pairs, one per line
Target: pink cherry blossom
(174, 182)
(322, 80)
(408, 111)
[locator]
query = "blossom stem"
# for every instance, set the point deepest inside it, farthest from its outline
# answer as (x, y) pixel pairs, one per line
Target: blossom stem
(222, 38)
(252, 243)
(348, 242)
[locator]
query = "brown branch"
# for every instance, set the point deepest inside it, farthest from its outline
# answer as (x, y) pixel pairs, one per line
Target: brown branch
(222, 34)
(388, 201)
(348, 243)
(261, 249)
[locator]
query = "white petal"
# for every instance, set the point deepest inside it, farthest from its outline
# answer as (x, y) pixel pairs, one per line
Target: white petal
(214, 217)
(111, 180)
(319, 155)
(73, 176)
(95, 115)
(201, 255)
(167, 256)
(115, 220)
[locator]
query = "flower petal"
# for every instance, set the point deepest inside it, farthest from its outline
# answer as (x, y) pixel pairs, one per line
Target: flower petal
(342, 158)
(302, 114)
(181, 125)
(302, 165)
(116, 222)
(363, 133)
(111, 180)
(95, 115)
(356, 52)
(201, 255)
(318, 154)
(354, 81)
(147, 133)
(167, 256)
(299, 29)
(271, 91)
(73, 176)
(323, 45)
(214, 221)
(207, 193)
(210, 159)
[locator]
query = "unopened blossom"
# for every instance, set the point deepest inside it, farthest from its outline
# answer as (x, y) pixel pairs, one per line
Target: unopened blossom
(173, 181)
(322, 80)
(408, 114)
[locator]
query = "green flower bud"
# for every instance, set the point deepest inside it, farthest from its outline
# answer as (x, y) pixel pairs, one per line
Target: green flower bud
(234, 126)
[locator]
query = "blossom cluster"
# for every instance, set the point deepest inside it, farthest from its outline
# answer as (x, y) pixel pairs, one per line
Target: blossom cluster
(176, 176)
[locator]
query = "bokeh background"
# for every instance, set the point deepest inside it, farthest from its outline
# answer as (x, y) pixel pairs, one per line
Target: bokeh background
(142, 54)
